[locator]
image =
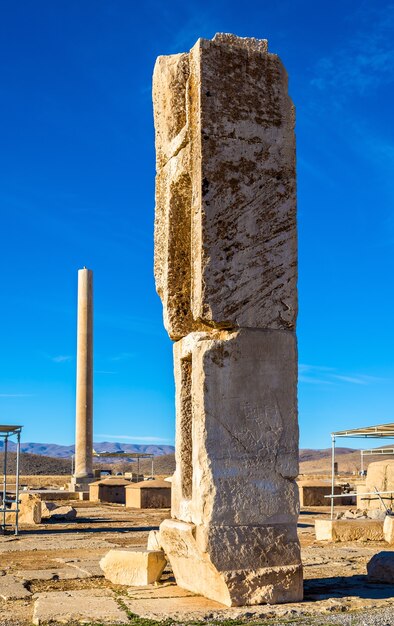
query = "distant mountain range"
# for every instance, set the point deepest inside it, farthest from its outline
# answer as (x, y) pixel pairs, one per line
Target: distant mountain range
(64, 452)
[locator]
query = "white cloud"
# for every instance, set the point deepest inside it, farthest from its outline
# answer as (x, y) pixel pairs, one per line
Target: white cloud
(15, 395)
(323, 375)
(135, 438)
(123, 356)
(365, 61)
(61, 358)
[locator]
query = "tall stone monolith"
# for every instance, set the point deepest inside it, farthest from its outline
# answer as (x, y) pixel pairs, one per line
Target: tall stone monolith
(226, 271)
(83, 473)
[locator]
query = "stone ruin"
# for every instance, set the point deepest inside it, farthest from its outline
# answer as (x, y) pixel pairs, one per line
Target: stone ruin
(226, 271)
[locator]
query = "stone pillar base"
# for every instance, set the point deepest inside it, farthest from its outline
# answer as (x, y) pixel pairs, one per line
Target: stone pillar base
(246, 565)
(80, 484)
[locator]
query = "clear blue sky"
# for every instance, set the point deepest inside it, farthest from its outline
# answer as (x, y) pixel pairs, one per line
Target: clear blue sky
(77, 188)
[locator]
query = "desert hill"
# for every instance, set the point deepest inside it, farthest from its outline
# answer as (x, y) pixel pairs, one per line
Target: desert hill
(63, 452)
(311, 461)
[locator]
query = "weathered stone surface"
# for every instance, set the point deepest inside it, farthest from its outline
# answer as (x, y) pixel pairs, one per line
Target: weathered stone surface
(133, 567)
(237, 466)
(88, 605)
(84, 568)
(376, 514)
(29, 510)
(37, 574)
(349, 530)
(154, 540)
(238, 566)
(47, 509)
(226, 269)
(61, 573)
(63, 513)
(174, 608)
(225, 230)
(388, 529)
(380, 476)
(381, 568)
(166, 590)
(13, 589)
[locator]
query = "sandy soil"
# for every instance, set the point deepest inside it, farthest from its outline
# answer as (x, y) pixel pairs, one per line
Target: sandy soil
(335, 574)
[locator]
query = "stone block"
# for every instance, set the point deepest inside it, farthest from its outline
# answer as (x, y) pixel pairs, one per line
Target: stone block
(29, 510)
(63, 513)
(226, 271)
(381, 568)
(238, 566)
(47, 509)
(225, 229)
(349, 530)
(237, 465)
(133, 567)
(388, 529)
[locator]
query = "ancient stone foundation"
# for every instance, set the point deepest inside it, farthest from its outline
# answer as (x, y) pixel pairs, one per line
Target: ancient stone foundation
(226, 271)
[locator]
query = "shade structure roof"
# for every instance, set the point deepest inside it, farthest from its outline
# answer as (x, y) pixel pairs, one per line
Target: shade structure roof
(114, 481)
(157, 483)
(6, 429)
(372, 432)
(131, 455)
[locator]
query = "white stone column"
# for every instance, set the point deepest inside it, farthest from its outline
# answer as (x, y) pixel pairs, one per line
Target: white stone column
(226, 271)
(84, 400)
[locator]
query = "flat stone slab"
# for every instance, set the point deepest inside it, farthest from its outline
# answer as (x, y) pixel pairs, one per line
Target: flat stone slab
(88, 605)
(13, 589)
(63, 573)
(37, 574)
(91, 567)
(174, 608)
(161, 591)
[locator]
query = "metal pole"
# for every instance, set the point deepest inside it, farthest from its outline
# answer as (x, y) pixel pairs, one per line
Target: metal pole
(5, 480)
(138, 467)
(332, 473)
(18, 450)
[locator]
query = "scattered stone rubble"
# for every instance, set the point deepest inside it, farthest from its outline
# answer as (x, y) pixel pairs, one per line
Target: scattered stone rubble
(374, 514)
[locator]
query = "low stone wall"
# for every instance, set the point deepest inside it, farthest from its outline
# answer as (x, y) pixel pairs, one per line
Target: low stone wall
(37, 481)
(349, 530)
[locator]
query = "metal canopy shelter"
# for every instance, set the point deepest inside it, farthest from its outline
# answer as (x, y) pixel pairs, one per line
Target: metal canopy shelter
(375, 452)
(127, 455)
(6, 432)
(367, 432)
